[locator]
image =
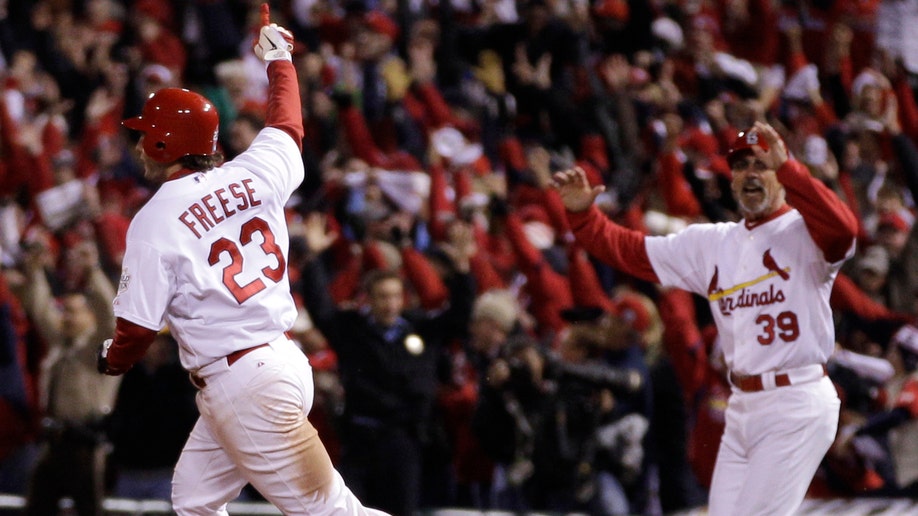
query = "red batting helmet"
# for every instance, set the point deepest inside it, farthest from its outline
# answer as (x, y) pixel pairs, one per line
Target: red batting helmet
(743, 143)
(175, 123)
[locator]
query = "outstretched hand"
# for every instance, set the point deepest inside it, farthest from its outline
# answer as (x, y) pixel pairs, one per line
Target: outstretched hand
(317, 233)
(575, 190)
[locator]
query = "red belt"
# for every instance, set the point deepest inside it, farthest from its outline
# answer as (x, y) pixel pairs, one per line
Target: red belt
(239, 353)
(231, 359)
(754, 383)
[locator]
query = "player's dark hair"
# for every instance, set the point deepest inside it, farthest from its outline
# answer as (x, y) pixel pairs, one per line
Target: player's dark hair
(200, 162)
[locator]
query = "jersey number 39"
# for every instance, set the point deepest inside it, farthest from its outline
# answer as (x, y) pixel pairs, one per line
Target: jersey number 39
(268, 246)
(784, 326)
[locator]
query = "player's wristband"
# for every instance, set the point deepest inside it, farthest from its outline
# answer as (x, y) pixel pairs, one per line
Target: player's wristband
(277, 55)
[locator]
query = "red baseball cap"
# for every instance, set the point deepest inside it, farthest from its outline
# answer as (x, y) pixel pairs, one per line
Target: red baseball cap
(743, 145)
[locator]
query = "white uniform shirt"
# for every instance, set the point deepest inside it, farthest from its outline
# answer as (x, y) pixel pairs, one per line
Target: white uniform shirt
(768, 289)
(207, 254)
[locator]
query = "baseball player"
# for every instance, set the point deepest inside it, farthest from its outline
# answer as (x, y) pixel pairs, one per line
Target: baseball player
(767, 279)
(207, 256)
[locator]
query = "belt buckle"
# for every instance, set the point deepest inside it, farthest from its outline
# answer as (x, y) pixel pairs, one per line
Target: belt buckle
(768, 380)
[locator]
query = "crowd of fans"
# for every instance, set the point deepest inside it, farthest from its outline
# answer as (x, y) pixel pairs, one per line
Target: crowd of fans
(542, 379)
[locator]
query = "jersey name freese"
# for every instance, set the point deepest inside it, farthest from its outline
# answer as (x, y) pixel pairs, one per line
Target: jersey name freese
(214, 207)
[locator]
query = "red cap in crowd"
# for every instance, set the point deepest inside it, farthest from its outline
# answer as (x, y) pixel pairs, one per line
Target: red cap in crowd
(381, 24)
(892, 221)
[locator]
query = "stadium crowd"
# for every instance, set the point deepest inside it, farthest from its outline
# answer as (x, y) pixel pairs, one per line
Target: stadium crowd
(537, 378)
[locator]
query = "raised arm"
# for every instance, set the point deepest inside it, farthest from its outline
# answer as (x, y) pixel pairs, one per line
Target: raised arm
(273, 46)
(830, 222)
(617, 246)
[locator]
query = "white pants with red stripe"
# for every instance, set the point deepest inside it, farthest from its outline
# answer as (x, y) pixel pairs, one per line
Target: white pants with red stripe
(772, 445)
(253, 429)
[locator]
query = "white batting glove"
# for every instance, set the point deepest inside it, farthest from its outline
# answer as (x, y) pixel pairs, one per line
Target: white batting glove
(274, 43)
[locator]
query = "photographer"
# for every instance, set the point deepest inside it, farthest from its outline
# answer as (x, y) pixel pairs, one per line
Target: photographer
(567, 429)
(600, 417)
(511, 404)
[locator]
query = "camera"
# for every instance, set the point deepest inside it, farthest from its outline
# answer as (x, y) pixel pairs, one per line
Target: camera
(591, 373)
(598, 375)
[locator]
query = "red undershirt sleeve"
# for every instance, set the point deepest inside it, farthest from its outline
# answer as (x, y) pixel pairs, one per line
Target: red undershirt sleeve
(831, 224)
(284, 110)
(555, 208)
(129, 345)
(615, 245)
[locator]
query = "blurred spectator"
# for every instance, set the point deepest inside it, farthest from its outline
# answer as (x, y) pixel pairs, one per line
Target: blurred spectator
(699, 366)
(18, 404)
(856, 464)
(671, 417)
(892, 233)
(897, 424)
(512, 402)
(242, 132)
(872, 267)
(153, 77)
(894, 17)
(76, 400)
(157, 41)
(604, 392)
(495, 317)
(387, 356)
(567, 430)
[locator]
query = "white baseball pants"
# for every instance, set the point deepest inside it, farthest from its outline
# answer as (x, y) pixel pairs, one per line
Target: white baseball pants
(253, 429)
(772, 445)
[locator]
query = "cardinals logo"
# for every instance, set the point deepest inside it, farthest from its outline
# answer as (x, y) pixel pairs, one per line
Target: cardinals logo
(741, 295)
(772, 266)
(752, 138)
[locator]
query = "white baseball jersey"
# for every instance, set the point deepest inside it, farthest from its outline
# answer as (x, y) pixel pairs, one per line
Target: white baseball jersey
(207, 254)
(768, 288)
